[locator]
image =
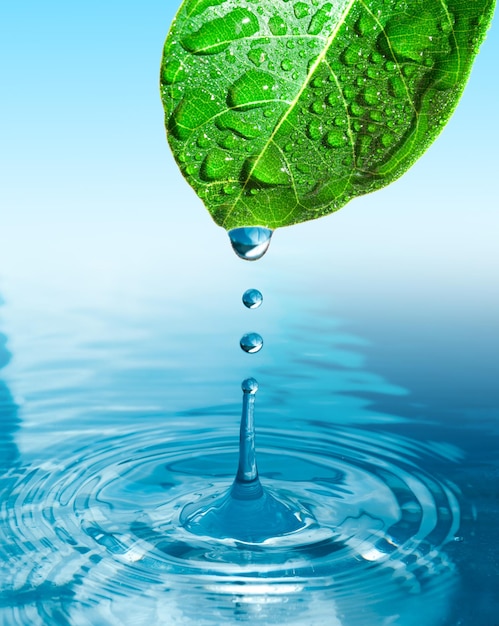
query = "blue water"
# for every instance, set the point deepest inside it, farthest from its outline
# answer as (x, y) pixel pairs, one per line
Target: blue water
(120, 405)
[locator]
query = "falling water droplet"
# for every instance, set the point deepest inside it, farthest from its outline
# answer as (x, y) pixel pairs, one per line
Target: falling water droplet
(252, 298)
(250, 243)
(251, 343)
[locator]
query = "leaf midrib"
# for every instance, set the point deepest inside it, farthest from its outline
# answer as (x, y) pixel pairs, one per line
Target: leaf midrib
(293, 103)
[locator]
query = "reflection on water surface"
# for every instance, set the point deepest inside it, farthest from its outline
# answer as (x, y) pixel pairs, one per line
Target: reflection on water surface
(127, 417)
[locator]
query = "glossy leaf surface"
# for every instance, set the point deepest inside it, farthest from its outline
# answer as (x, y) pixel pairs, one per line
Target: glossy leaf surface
(281, 111)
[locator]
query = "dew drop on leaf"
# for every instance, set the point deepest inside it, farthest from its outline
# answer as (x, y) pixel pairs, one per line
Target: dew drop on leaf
(301, 9)
(252, 89)
(335, 139)
(277, 25)
(217, 34)
(314, 129)
(257, 56)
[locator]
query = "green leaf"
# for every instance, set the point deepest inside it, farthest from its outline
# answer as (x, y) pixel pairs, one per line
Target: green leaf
(279, 112)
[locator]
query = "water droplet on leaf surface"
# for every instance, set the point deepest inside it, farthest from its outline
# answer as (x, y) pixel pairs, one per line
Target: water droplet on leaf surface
(314, 129)
(277, 26)
(320, 19)
(301, 9)
(252, 89)
(217, 34)
(257, 56)
(266, 169)
(335, 139)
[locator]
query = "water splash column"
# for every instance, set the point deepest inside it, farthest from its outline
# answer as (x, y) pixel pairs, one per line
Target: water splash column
(247, 483)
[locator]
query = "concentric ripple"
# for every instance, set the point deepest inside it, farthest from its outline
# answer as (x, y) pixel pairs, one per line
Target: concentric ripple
(100, 533)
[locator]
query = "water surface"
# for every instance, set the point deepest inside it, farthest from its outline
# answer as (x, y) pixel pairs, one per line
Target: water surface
(119, 408)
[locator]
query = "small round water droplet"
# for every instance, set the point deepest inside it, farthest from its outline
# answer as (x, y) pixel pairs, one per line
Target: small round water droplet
(249, 385)
(250, 243)
(251, 89)
(335, 139)
(277, 25)
(377, 116)
(257, 56)
(387, 139)
(356, 110)
(371, 95)
(333, 98)
(314, 129)
(252, 298)
(317, 107)
(251, 343)
(301, 9)
(203, 141)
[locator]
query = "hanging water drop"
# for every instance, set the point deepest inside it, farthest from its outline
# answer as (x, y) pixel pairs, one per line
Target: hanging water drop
(250, 243)
(251, 343)
(252, 298)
